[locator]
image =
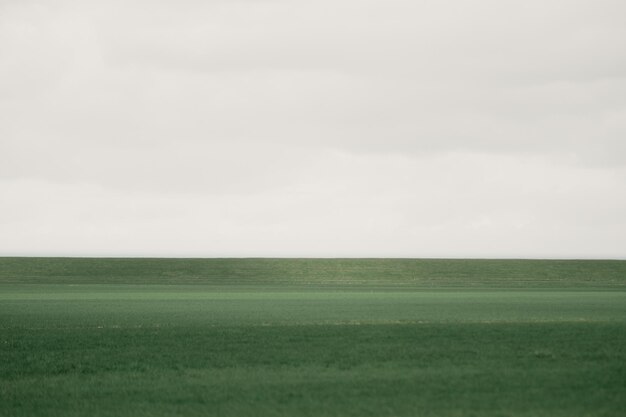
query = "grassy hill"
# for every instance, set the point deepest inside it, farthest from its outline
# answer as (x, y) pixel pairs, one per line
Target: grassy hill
(435, 273)
(312, 337)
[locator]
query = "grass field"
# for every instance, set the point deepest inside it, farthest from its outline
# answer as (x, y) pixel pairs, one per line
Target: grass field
(158, 337)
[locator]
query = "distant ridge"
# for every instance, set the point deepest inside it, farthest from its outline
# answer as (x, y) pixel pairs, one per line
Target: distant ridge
(350, 272)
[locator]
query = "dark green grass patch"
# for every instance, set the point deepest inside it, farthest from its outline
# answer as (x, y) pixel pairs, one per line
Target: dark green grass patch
(114, 350)
(436, 369)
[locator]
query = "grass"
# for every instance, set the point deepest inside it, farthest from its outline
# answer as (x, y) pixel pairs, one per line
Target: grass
(77, 343)
(423, 273)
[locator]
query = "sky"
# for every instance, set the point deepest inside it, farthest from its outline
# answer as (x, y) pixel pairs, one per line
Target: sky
(329, 128)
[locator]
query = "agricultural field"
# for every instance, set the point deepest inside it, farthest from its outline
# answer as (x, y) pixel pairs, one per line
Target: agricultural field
(312, 337)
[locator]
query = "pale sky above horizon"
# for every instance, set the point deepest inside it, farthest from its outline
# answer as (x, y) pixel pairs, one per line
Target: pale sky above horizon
(343, 128)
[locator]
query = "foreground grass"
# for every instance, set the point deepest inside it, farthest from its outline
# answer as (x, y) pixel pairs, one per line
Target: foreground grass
(146, 351)
(75, 343)
(470, 369)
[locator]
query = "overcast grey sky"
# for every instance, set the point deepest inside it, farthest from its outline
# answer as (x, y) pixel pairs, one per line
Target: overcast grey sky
(447, 128)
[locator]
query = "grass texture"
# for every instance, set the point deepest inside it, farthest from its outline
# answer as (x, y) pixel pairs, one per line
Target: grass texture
(461, 273)
(99, 337)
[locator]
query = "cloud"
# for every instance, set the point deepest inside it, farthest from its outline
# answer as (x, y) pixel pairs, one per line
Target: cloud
(319, 117)
(365, 205)
(400, 76)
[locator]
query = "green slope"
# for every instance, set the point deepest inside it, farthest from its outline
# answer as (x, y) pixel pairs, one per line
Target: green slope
(311, 337)
(320, 272)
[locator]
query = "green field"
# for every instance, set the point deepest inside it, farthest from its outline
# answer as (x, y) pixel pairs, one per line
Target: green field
(289, 337)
